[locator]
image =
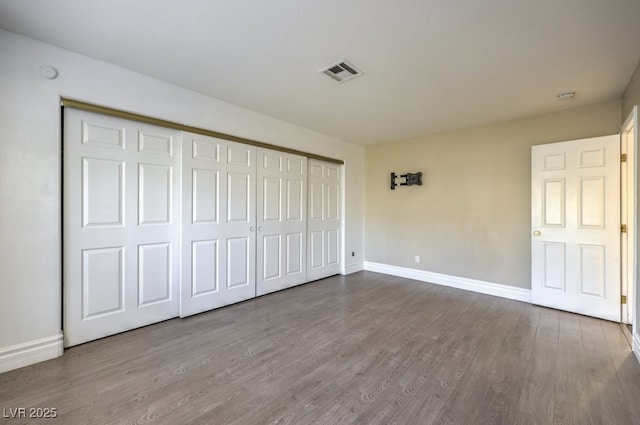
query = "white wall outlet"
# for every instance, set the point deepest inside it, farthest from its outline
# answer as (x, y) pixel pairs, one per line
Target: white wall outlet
(417, 259)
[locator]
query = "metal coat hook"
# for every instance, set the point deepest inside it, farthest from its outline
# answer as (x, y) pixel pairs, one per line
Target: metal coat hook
(410, 179)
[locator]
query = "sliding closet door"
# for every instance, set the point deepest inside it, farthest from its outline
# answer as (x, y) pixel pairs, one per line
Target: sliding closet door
(121, 225)
(219, 218)
(282, 216)
(324, 220)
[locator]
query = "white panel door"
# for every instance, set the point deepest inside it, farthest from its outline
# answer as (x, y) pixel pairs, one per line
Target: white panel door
(219, 216)
(121, 225)
(281, 221)
(576, 226)
(323, 220)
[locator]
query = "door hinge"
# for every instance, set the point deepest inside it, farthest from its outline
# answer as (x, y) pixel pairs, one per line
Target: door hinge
(623, 228)
(623, 299)
(623, 157)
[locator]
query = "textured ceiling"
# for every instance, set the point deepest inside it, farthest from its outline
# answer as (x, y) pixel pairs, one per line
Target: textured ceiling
(429, 65)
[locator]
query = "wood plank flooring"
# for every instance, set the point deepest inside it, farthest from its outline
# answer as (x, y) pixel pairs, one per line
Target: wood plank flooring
(361, 349)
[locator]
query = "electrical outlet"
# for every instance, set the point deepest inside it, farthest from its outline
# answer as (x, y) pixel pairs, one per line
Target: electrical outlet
(417, 259)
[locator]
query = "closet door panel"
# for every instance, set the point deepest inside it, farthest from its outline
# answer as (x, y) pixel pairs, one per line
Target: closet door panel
(324, 219)
(121, 202)
(281, 225)
(218, 227)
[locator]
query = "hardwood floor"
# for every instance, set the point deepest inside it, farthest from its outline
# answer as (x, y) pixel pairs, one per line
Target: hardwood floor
(361, 349)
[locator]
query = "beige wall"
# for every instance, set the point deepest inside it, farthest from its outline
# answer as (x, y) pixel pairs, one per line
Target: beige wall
(631, 96)
(471, 218)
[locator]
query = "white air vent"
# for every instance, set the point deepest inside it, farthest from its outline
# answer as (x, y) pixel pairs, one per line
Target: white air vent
(341, 71)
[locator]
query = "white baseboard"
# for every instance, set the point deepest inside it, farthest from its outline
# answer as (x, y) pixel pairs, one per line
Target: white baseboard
(28, 353)
(496, 289)
(636, 346)
(352, 268)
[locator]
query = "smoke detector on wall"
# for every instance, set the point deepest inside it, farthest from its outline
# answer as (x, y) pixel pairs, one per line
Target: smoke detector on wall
(341, 71)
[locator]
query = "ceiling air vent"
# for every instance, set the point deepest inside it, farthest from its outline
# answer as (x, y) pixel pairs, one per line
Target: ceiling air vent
(341, 71)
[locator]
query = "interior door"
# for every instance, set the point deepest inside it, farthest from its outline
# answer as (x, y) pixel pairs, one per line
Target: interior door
(324, 220)
(281, 221)
(219, 217)
(121, 225)
(575, 243)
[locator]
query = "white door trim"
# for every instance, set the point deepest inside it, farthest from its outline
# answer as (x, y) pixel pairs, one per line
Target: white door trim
(631, 123)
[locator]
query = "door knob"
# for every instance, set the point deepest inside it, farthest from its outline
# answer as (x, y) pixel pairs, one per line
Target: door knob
(260, 228)
(251, 228)
(537, 233)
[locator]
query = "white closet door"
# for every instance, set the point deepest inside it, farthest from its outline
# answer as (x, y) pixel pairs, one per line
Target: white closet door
(324, 220)
(219, 216)
(282, 212)
(121, 225)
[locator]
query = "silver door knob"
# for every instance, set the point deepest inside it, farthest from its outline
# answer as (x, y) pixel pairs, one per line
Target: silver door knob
(251, 228)
(260, 228)
(537, 233)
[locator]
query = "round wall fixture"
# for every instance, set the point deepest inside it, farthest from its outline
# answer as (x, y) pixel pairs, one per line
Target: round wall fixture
(48, 72)
(566, 95)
